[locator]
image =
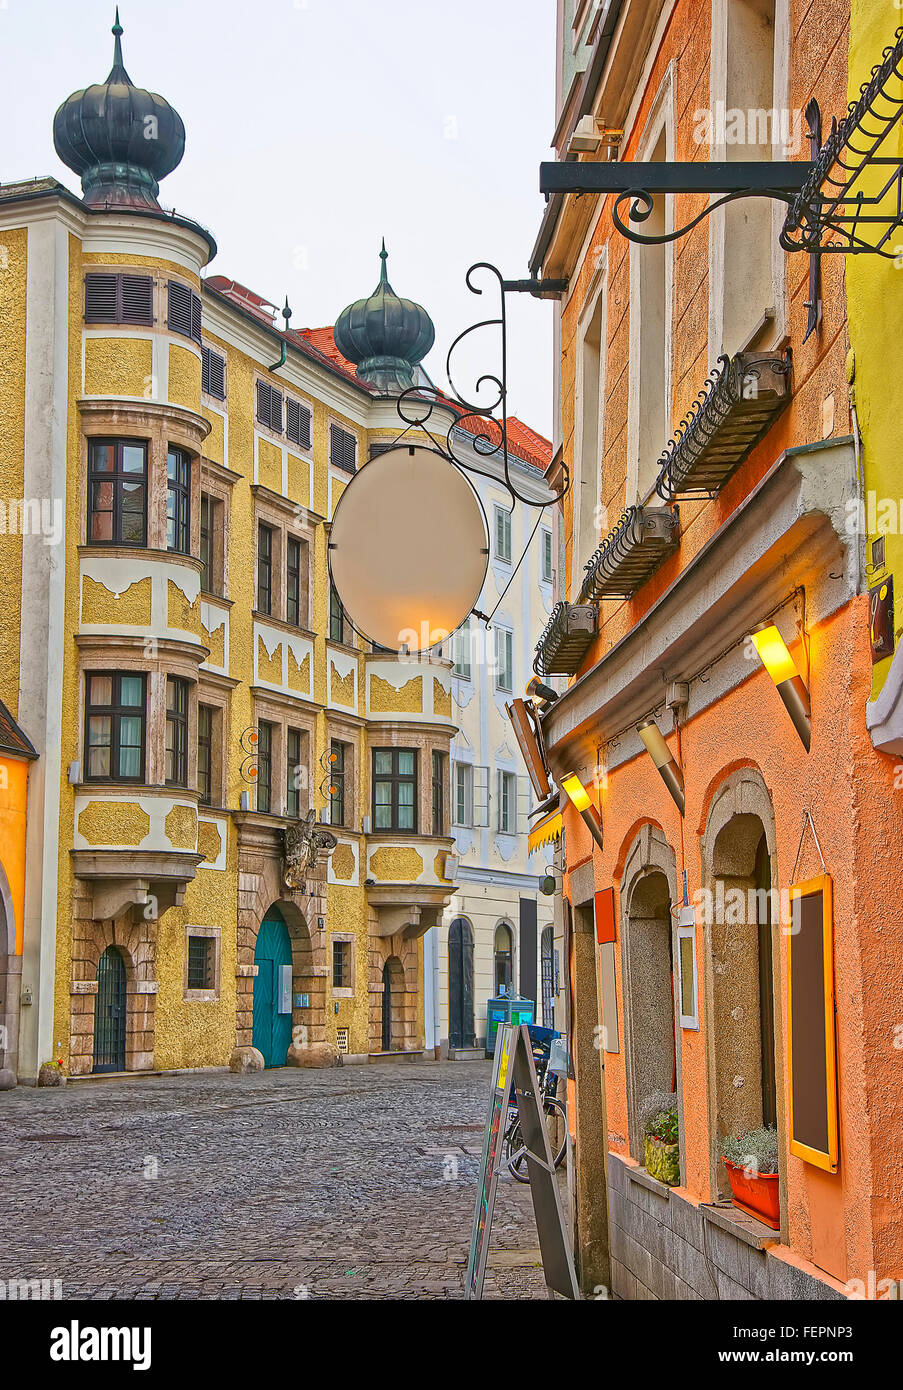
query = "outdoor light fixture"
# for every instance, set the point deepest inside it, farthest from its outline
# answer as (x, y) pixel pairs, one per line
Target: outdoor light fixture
(540, 693)
(790, 685)
(408, 549)
(580, 799)
(666, 764)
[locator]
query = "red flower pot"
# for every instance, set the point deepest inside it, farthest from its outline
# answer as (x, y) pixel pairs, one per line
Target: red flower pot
(757, 1194)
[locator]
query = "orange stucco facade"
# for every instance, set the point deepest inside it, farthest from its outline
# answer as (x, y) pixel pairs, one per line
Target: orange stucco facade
(834, 809)
(13, 796)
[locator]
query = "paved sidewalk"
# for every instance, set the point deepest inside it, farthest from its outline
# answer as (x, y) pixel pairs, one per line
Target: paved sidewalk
(354, 1182)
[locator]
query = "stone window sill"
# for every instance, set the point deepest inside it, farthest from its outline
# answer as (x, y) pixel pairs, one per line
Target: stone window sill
(737, 1223)
(647, 1180)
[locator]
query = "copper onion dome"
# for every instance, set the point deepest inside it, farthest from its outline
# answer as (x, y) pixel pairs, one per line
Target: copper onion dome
(385, 336)
(119, 138)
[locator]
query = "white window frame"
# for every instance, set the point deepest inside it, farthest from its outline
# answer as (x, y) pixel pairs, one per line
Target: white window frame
(662, 118)
(507, 801)
(504, 641)
(462, 645)
(546, 553)
(462, 809)
(587, 488)
(501, 515)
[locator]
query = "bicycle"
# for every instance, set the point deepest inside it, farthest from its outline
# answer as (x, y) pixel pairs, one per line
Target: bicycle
(514, 1151)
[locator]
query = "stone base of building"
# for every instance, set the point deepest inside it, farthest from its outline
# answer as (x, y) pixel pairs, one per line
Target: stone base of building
(665, 1246)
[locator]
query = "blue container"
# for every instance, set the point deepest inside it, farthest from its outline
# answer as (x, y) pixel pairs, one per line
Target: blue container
(505, 1008)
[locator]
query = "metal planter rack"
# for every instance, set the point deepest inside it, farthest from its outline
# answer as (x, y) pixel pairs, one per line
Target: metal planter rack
(742, 398)
(643, 538)
(566, 639)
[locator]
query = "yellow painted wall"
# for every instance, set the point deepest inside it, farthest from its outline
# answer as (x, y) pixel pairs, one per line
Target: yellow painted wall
(875, 308)
(13, 796)
(13, 257)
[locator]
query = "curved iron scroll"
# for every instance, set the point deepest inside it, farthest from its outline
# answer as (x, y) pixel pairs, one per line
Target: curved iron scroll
(487, 429)
(642, 204)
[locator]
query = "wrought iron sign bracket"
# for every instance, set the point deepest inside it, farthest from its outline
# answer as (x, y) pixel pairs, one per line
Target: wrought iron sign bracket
(848, 199)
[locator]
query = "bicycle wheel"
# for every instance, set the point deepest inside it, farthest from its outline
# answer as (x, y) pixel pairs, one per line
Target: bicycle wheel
(556, 1128)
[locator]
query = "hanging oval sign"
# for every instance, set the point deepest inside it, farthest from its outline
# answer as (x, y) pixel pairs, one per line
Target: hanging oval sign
(408, 549)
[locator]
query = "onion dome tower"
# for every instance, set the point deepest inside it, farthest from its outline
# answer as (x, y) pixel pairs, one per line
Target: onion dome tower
(385, 336)
(120, 139)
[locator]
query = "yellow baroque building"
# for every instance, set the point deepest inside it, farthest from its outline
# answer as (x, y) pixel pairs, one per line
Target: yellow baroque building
(171, 647)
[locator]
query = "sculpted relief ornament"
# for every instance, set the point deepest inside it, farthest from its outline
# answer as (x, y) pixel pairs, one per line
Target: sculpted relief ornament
(304, 845)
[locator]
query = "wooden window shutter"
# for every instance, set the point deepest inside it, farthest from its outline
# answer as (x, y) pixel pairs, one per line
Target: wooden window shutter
(136, 299)
(184, 311)
(115, 298)
(269, 406)
(342, 449)
(297, 422)
(213, 373)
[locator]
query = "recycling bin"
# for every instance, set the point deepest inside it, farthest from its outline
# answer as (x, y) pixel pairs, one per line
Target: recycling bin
(505, 1008)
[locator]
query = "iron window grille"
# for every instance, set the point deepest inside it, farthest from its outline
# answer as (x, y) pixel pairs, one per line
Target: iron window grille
(395, 789)
(117, 492)
(213, 373)
(115, 718)
(178, 501)
(741, 399)
(297, 422)
(269, 407)
(264, 766)
(119, 298)
(337, 782)
(184, 313)
(642, 540)
(201, 962)
(264, 569)
(341, 965)
(565, 640)
(176, 732)
(293, 582)
(342, 449)
(205, 754)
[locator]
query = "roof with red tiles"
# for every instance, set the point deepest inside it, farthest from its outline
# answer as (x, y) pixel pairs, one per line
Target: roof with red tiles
(318, 344)
(12, 739)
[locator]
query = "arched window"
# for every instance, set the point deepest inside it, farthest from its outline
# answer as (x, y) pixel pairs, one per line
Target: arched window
(504, 958)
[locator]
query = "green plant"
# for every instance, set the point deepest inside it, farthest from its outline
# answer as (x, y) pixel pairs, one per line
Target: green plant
(756, 1149)
(663, 1125)
(656, 1104)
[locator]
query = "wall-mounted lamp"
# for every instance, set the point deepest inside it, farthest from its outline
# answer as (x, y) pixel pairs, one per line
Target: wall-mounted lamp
(579, 798)
(540, 693)
(666, 764)
(790, 685)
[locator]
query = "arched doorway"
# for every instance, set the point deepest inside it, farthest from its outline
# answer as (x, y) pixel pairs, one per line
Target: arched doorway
(547, 976)
(273, 989)
(504, 958)
(649, 1004)
(109, 1012)
(392, 1005)
(460, 984)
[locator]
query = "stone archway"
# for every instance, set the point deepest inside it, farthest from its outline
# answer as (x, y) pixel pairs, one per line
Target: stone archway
(136, 942)
(10, 988)
(652, 1040)
(399, 955)
(741, 975)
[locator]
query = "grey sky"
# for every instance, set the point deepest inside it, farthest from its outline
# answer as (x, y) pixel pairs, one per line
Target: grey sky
(315, 127)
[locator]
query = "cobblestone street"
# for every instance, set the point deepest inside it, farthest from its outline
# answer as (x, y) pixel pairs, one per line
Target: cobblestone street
(284, 1184)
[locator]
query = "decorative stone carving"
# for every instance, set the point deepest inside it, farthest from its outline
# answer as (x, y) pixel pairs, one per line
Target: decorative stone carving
(304, 844)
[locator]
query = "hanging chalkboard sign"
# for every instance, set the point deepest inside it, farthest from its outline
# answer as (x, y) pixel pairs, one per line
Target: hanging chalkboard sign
(810, 1007)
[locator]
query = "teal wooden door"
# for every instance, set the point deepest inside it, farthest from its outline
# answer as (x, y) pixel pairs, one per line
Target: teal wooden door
(272, 1029)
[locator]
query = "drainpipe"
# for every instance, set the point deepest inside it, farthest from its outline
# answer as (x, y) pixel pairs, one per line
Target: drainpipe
(286, 314)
